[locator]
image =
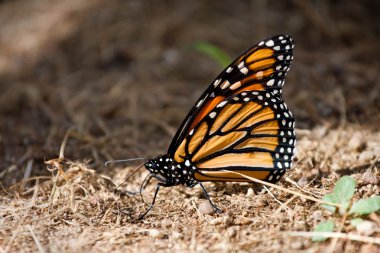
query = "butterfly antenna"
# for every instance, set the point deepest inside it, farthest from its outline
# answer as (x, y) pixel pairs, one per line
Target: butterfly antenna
(131, 175)
(123, 161)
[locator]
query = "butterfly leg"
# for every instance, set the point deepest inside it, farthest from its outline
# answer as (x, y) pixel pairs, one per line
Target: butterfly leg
(152, 204)
(144, 184)
(142, 187)
(216, 209)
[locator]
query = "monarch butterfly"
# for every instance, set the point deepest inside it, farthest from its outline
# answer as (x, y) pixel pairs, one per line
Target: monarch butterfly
(240, 123)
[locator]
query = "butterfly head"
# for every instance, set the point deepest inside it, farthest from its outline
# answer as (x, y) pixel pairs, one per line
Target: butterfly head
(164, 169)
(169, 172)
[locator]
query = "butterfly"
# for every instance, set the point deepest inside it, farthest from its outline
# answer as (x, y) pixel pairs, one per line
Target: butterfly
(239, 124)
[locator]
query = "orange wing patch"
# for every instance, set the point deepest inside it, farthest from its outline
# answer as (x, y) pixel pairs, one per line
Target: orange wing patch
(262, 64)
(269, 143)
(230, 176)
(227, 112)
(259, 54)
(217, 143)
(180, 152)
(198, 136)
(254, 159)
(254, 87)
(270, 127)
(206, 109)
(238, 117)
(264, 114)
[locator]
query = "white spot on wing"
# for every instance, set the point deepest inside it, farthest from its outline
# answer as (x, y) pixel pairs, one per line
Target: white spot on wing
(235, 85)
(221, 104)
(269, 43)
(270, 82)
(212, 114)
(244, 70)
(225, 84)
(229, 69)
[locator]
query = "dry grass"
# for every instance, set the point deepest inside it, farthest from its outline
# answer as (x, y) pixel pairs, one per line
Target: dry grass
(118, 75)
(77, 209)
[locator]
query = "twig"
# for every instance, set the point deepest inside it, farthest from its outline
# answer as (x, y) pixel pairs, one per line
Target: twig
(64, 142)
(335, 240)
(345, 236)
(284, 189)
(281, 204)
(299, 187)
(285, 204)
(37, 242)
(14, 235)
(109, 209)
(28, 171)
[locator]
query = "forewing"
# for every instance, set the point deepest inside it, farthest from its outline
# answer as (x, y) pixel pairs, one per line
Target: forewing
(261, 68)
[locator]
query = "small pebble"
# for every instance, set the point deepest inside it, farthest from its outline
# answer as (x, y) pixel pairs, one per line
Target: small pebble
(157, 234)
(250, 192)
(303, 181)
(296, 244)
(366, 228)
(370, 178)
(176, 235)
(356, 141)
(366, 155)
(206, 208)
(232, 231)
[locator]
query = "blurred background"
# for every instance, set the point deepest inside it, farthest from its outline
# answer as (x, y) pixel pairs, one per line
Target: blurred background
(124, 74)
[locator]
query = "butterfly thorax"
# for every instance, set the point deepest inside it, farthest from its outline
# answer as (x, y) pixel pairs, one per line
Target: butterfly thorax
(170, 172)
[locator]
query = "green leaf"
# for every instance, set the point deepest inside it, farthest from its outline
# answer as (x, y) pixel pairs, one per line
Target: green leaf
(218, 55)
(344, 189)
(355, 222)
(366, 206)
(327, 226)
(329, 198)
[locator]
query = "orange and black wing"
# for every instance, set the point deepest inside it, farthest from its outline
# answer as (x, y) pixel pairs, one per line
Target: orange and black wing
(241, 122)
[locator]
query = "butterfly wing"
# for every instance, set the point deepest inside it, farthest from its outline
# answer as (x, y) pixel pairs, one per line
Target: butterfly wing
(251, 133)
(210, 136)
